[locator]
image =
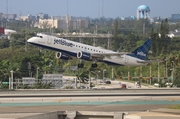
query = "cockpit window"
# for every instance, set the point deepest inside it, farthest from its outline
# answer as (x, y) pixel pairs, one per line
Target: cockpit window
(39, 36)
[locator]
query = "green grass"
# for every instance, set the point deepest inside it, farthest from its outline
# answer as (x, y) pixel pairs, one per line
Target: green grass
(174, 107)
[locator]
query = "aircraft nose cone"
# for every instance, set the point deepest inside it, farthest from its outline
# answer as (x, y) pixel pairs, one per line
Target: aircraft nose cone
(30, 40)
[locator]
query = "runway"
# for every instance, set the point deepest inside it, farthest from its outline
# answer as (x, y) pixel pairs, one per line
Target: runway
(29, 102)
(130, 99)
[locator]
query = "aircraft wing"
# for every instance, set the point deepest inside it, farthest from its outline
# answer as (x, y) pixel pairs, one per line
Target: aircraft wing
(108, 55)
(148, 61)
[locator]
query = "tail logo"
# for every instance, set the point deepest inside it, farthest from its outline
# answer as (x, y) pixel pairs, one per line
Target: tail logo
(141, 54)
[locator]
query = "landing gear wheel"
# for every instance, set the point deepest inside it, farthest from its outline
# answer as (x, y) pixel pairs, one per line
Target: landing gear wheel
(80, 65)
(94, 65)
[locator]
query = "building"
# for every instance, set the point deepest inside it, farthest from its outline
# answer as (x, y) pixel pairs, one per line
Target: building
(143, 12)
(48, 23)
(10, 16)
(173, 34)
(175, 16)
(42, 16)
(28, 17)
(78, 24)
(63, 23)
(1, 15)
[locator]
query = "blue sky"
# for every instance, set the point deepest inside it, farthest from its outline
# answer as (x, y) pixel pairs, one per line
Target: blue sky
(91, 8)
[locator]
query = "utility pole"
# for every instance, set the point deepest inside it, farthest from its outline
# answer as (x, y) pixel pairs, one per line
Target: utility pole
(173, 72)
(37, 72)
(112, 73)
(150, 74)
(11, 80)
(158, 72)
(102, 8)
(166, 67)
(7, 16)
(108, 40)
(67, 18)
(89, 80)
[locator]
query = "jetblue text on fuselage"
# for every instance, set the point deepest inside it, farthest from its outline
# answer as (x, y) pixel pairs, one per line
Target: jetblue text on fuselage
(63, 42)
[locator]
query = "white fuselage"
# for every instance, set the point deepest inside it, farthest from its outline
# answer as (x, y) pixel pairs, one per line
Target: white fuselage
(71, 48)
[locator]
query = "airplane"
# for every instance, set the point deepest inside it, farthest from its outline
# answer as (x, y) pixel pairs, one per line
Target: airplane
(67, 49)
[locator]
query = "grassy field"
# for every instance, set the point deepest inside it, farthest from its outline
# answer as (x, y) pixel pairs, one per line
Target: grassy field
(175, 107)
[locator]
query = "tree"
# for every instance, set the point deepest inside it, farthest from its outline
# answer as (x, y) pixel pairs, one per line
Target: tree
(115, 43)
(6, 67)
(176, 77)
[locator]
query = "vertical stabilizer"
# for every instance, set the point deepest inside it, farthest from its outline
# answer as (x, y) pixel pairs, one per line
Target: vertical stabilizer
(142, 51)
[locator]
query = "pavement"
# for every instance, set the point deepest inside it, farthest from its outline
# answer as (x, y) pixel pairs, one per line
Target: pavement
(117, 84)
(142, 106)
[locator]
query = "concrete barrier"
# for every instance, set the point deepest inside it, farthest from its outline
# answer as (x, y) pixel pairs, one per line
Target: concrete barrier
(101, 115)
(49, 115)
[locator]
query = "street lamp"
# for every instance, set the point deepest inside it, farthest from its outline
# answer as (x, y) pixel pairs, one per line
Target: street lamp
(150, 74)
(103, 73)
(158, 72)
(11, 80)
(97, 77)
(96, 73)
(166, 67)
(173, 72)
(37, 72)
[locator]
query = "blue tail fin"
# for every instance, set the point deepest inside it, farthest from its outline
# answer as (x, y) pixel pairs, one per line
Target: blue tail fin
(142, 51)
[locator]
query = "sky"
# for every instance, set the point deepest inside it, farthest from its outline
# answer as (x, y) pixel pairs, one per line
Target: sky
(90, 8)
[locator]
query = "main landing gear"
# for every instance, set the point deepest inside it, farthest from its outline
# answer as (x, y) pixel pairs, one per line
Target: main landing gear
(94, 65)
(80, 65)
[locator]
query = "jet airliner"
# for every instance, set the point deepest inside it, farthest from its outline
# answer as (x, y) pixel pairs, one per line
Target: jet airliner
(67, 49)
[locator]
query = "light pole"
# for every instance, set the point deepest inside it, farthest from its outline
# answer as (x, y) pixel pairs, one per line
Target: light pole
(150, 74)
(158, 71)
(11, 80)
(173, 72)
(97, 77)
(103, 73)
(37, 72)
(96, 74)
(166, 67)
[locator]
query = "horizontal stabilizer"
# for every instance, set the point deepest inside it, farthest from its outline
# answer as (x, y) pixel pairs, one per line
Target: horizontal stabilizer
(108, 55)
(149, 61)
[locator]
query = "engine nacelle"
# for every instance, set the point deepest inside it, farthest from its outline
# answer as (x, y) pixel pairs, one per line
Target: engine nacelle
(84, 55)
(63, 56)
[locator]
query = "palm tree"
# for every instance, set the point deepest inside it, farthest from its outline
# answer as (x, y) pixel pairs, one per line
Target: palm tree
(6, 67)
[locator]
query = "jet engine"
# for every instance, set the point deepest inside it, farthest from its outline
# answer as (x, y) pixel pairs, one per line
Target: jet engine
(63, 56)
(84, 55)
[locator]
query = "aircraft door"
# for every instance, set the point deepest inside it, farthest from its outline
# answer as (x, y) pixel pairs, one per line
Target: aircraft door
(49, 40)
(126, 59)
(85, 48)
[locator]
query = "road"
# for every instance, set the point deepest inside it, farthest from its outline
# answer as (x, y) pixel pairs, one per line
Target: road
(116, 84)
